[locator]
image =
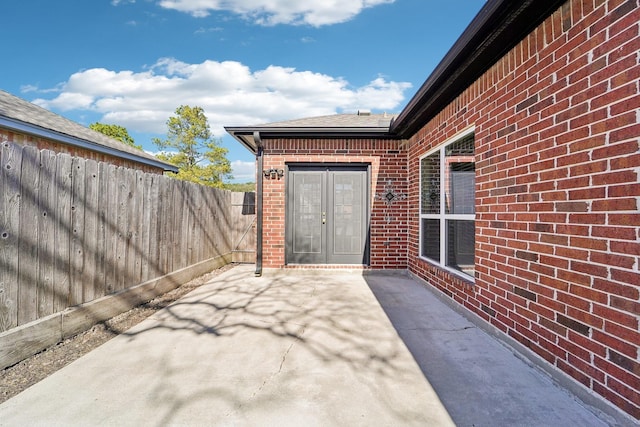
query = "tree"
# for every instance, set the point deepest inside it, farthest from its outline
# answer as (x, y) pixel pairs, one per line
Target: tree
(198, 156)
(116, 132)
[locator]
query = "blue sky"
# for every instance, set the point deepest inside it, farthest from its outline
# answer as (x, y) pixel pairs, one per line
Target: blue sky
(246, 62)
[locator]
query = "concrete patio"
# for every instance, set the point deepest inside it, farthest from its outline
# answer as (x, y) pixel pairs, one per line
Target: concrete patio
(301, 348)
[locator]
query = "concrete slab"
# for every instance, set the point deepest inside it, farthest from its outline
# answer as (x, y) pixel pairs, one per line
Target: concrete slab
(302, 348)
(285, 350)
(480, 381)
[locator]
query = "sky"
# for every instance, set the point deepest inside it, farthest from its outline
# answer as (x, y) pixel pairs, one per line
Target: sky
(245, 62)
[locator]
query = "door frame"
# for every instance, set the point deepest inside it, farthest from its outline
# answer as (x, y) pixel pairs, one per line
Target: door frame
(358, 166)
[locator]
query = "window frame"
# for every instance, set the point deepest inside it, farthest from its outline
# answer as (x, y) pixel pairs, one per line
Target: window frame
(443, 216)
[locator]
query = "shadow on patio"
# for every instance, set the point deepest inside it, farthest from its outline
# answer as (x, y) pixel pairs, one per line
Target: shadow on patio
(480, 380)
(282, 349)
(301, 348)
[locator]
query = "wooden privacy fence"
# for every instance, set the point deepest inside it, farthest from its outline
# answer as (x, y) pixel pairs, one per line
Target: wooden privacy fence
(73, 230)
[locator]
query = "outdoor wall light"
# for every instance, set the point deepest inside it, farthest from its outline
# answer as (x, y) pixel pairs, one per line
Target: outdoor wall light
(273, 173)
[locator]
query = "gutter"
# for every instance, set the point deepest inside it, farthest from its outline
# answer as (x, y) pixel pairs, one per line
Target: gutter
(313, 130)
(259, 198)
(21, 127)
(245, 135)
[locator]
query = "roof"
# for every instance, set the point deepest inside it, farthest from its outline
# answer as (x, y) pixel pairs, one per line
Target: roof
(361, 120)
(22, 116)
(497, 28)
(361, 124)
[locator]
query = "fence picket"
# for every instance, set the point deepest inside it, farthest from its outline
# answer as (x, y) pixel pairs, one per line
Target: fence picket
(133, 214)
(28, 243)
(145, 227)
(62, 269)
(11, 163)
(100, 279)
(90, 238)
(78, 205)
(177, 248)
(46, 230)
(111, 210)
(163, 219)
(122, 229)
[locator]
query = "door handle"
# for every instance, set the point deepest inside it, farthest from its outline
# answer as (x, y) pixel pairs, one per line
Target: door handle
(324, 217)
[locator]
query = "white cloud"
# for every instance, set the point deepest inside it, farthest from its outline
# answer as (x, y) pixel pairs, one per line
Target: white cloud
(28, 88)
(272, 12)
(243, 171)
(203, 30)
(229, 92)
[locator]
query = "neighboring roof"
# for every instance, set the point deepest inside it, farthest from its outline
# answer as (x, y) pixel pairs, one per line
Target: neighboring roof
(362, 124)
(496, 29)
(22, 116)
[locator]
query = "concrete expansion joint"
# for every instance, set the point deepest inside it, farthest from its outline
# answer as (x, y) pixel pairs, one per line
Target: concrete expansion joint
(298, 337)
(284, 357)
(282, 361)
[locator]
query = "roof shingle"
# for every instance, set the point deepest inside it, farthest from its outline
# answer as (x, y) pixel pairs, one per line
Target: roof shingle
(336, 121)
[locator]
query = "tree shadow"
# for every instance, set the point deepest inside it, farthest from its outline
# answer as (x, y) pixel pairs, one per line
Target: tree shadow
(248, 345)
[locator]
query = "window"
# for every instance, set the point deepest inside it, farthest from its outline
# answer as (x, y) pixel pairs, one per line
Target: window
(447, 205)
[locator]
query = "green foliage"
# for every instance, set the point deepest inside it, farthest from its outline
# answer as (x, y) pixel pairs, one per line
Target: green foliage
(116, 132)
(190, 147)
(241, 188)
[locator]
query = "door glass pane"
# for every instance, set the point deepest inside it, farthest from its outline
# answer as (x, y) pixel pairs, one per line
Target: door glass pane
(307, 213)
(431, 239)
(347, 213)
(461, 245)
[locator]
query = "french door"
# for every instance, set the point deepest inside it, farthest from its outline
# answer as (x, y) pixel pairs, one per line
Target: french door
(327, 215)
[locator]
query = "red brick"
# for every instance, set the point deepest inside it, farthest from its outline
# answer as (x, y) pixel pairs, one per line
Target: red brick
(617, 400)
(593, 219)
(589, 268)
(620, 149)
(616, 316)
(615, 343)
(623, 390)
(623, 176)
(612, 260)
(626, 334)
(574, 277)
(622, 303)
(573, 369)
(623, 233)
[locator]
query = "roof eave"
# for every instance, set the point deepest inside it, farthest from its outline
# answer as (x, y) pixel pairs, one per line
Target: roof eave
(244, 134)
(38, 131)
(496, 29)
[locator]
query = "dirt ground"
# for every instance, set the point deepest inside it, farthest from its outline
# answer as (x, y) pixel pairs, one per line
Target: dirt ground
(19, 377)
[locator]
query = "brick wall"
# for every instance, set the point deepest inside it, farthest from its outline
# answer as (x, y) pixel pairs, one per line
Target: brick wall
(388, 223)
(48, 144)
(557, 195)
